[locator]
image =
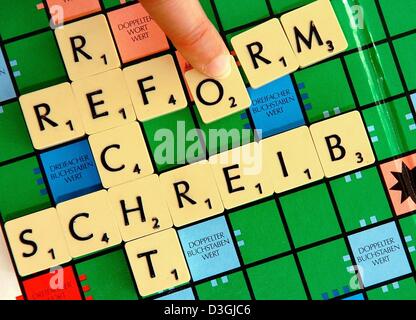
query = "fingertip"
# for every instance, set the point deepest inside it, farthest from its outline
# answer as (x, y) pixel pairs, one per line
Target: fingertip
(219, 67)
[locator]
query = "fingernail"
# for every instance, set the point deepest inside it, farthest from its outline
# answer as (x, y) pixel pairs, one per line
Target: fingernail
(219, 67)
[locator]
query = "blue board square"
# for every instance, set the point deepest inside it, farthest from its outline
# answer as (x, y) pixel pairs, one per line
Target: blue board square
(208, 248)
(275, 107)
(413, 96)
(185, 294)
(6, 85)
(355, 297)
(379, 253)
(71, 171)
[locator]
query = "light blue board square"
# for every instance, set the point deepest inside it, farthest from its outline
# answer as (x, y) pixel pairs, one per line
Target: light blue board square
(208, 248)
(356, 297)
(379, 254)
(413, 96)
(275, 107)
(185, 294)
(6, 85)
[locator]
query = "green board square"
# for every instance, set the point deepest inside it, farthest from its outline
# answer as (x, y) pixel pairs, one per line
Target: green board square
(399, 290)
(227, 133)
(408, 225)
(282, 6)
(405, 48)
(209, 11)
(310, 215)
(22, 188)
(324, 90)
(277, 280)
(326, 270)
(356, 205)
(38, 62)
(235, 13)
(259, 231)
(114, 3)
(21, 17)
(14, 138)
(391, 127)
(374, 64)
(230, 287)
(399, 15)
(371, 29)
(108, 277)
(173, 140)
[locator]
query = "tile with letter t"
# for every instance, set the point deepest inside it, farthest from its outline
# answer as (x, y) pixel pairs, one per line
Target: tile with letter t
(87, 47)
(157, 262)
(240, 175)
(265, 53)
(218, 98)
(121, 155)
(51, 116)
(155, 87)
(37, 242)
(191, 193)
(104, 101)
(314, 32)
(140, 207)
(291, 160)
(88, 224)
(342, 144)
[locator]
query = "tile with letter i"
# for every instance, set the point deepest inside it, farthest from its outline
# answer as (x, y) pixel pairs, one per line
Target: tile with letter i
(277, 280)
(87, 47)
(7, 90)
(229, 287)
(404, 289)
(64, 11)
(157, 262)
(322, 89)
(391, 127)
(106, 277)
(259, 232)
(358, 207)
(14, 140)
(29, 191)
(408, 225)
(332, 278)
(30, 55)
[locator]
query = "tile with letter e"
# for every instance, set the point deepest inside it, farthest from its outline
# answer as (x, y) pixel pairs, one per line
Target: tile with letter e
(191, 193)
(63, 10)
(291, 160)
(240, 175)
(87, 47)
(342, 144)
(265, 53)
(208, 248)
(275, 107)
(121, 155)
(379, 253)
(157, 262)
(137, 35)
(71, 171)
(229, 287)
(140, 207)
(314, 32)
(37, 242)
(104, 101)
(88, 224)
(52, 116)
(218, 98)
(155, 87)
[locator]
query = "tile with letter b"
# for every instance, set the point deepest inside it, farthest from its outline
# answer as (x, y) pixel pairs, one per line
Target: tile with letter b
(240, 175)
(140, 208)
(37, 242)
(314, 32)
(87, 47)
(121, 155)
(342, 144)
(104, 101)
(265, 53)
(157, 262)
(88, 224)
(291, 160)
(191, 193)
(155, 87)
(218, 98)
(51, 116)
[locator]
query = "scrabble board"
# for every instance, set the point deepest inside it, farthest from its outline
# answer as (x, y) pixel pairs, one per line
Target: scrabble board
(135, 206)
